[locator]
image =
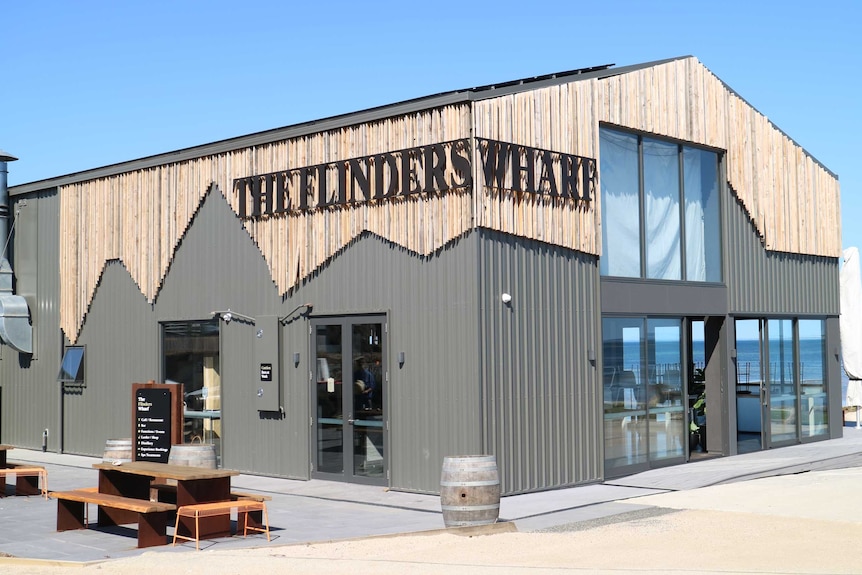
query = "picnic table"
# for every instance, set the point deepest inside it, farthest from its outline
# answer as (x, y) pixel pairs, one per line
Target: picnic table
(27, 475)
(123, 497)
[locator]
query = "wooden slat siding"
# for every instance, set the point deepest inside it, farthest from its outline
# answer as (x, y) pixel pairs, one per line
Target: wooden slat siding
(139, 217)
(775, 179)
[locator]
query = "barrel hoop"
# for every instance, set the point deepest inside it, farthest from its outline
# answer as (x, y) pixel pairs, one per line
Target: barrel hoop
(469, 507)
(468, 483)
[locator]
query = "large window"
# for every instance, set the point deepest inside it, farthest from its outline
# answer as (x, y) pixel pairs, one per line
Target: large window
(660, 211)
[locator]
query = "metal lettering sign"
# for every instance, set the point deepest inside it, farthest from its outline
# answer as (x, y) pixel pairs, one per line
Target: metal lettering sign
(431, 169)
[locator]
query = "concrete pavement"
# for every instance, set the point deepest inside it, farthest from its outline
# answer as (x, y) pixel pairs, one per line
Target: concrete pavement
(313, 511)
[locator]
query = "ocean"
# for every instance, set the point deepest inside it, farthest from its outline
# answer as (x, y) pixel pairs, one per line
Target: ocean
(667, 356)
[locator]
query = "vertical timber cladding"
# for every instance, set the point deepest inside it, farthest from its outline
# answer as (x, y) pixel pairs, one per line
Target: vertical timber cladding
(139, 217)
(793, 200)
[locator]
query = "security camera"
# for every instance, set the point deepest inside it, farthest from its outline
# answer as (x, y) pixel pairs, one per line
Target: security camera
(227, 317)
(507, 298)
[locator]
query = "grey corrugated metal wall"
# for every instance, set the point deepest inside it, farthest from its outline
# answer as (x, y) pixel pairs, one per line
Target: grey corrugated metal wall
(30, 392)
(433, 400)
(218, 267)
(121, 342)
(762, 282)
(541, 391)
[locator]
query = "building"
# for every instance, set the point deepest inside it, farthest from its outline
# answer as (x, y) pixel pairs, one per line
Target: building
(549, 270)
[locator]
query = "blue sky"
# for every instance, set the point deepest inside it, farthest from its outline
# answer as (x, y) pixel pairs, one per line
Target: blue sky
(91, 83)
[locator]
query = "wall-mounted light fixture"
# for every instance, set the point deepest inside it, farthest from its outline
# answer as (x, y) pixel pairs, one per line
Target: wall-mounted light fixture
(733, 353)
(400, 359)
(507, 298)
(591, 354)
(296, 359)
(228, 316)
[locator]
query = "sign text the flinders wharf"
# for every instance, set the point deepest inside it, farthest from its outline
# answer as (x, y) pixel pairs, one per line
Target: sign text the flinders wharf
(435, 168)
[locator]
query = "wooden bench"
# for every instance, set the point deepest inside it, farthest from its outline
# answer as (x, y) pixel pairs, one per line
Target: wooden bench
(244, 508)
(151, 516)
(27, 478)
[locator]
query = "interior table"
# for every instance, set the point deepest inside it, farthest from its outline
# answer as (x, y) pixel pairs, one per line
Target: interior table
(194, 485)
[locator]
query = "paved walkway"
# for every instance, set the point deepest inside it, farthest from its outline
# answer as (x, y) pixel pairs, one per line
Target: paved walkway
(305, 511)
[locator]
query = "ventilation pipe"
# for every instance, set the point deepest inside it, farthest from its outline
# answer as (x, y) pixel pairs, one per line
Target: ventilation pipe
(15, 328)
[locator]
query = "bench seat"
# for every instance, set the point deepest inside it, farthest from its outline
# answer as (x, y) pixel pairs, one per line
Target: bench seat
(243, 507)
(151, 516)
(27, 478)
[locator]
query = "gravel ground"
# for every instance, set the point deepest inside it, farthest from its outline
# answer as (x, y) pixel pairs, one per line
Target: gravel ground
(793, 524)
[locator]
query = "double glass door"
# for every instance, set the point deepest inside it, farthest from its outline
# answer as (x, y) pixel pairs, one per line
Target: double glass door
(349, 440)
(780, 382)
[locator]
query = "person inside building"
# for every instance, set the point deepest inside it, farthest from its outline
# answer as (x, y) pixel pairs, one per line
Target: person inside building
(364, 384)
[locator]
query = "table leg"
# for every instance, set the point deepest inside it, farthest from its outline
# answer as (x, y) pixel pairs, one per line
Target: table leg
(70, 515)
(152, 529)
(27, 485)
(204, 491)
(255, 519)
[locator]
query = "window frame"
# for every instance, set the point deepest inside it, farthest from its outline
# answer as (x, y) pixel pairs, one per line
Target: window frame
(683, 236)
(78, 379)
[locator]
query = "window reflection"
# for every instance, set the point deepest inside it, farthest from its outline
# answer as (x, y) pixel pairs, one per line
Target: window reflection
(191, 357)
(644, 411)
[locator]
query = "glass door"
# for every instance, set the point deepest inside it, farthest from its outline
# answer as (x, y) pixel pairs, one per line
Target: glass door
(751, 394)
(767, 383)
(349, 438)
(781, 405)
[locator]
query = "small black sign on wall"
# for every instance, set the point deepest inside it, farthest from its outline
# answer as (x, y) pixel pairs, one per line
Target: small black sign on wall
(152, 425)
(266, 372)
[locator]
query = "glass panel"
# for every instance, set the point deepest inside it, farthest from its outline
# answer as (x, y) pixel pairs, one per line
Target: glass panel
(72, 368)
(782, 380)
(624, 400)
(697, 418)
(662, 206)
(367, 400)
(666, 419)
(812, 364)
(702, 232)
(748, 390)
(620, 194)
(329, 382)
(191, 357)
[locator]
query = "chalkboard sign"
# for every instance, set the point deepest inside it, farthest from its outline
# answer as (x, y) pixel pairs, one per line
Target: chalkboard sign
(153, 424)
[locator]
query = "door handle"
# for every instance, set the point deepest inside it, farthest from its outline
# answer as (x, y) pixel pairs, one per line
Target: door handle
(351, 421)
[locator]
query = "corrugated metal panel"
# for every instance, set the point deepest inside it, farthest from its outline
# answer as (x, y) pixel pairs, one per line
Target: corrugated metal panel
(433, 400)
(30, 393)
(121, 342)
(762, 282)
(218, 267)
(541, 391)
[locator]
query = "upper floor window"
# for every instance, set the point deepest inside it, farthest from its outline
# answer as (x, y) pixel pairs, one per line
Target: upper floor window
(660, 209)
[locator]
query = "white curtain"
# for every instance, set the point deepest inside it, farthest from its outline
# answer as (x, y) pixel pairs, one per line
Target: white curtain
(661, 188)
(695, 251)
(620, 205)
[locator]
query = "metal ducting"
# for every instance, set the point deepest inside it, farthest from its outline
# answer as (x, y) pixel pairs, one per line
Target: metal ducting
(15, 328)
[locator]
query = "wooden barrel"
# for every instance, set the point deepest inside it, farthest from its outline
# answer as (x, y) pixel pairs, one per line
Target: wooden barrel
(118, 450)
(193, 455)
(470, 490)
